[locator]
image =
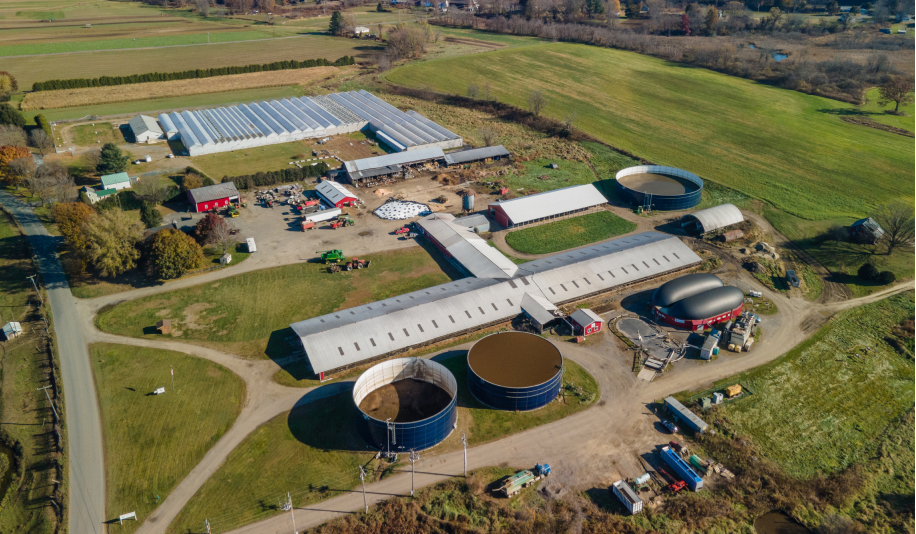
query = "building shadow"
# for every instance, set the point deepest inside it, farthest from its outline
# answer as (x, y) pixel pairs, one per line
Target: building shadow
(327, 419)
(639, 303)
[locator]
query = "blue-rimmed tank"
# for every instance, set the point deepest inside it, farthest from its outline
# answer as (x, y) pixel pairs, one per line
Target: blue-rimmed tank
(655, 187)
(407, 404)
(515, 371)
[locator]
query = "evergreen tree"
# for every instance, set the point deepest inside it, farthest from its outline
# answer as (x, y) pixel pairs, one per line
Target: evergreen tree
(11, 115)
(150, 215)
(111, 160)
(337, 23)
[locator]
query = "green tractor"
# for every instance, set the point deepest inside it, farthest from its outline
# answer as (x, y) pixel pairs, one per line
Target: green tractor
(331, 256)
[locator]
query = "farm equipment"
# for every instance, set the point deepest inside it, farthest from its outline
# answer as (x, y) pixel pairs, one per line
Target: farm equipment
(357, 263)
(232, 210)
(403, 230)
(523, 479)
(308, 225)
(333, 268)
(331, 256)
(342, 222)
(677, 486)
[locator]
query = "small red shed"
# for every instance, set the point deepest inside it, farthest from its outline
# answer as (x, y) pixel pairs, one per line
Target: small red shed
(335, 194)
(212, 197)
(586, 322)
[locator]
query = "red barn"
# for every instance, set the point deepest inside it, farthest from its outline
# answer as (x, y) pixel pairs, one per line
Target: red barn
(335, 194)
(212, 197)
(586, 322)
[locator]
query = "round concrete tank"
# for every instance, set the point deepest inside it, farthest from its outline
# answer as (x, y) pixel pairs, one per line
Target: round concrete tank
(662, 188)
(407, 404)
(515, 371)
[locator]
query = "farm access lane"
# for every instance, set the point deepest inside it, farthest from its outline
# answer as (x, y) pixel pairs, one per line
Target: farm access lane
(83, 422)
(592, 448)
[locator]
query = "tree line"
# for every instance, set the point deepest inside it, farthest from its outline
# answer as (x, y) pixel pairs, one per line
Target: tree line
(106, 81)
(262, 179)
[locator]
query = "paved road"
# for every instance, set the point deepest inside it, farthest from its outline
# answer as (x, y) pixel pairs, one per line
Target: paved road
(83, 424)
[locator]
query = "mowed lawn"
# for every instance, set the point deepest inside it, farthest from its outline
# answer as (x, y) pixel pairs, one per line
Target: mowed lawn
(126, 62)
(153, 441)
(243, 313)
(782, 146)
(569, 233)
(819, 408)
(313, 452)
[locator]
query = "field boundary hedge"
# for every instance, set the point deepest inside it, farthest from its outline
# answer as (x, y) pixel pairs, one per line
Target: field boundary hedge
(247, 181)
(108, 81)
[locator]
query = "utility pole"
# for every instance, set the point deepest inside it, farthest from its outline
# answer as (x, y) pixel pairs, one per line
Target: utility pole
(362, 478)
(207, 524)
(172, 370)
(464, 443)
(45, 389)
(32, 278)
(413, 458)
(288, 505)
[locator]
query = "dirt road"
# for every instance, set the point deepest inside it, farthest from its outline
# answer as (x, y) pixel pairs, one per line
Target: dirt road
(83, 423)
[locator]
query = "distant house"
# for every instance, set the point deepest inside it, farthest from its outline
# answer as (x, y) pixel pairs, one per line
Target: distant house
(145, 129)
(116, 181)
(903, 17)
(96, 195)
(212, 197)
(866, 231)
(359, 31)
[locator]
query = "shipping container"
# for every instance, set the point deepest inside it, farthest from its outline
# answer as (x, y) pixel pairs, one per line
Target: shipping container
(689, 418)
(627, 496)
(694, 482)
(325, 215)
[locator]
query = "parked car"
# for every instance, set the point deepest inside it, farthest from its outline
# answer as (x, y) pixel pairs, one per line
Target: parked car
(670, 426)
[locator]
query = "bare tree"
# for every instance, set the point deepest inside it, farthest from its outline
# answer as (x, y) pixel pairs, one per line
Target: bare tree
(221, 235)
(487, 91)
(150, 190)
(51, 183)
(41, 140)
(91, 158)
(473, 91)
(897, 221)
(384, 63)
(21, 169)
(536, 102)
(12, 135)
(568, 121)
(488, 135)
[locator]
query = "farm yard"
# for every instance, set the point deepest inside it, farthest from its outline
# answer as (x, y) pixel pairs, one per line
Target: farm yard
(781, 146)
(153, 441)
(569, 233)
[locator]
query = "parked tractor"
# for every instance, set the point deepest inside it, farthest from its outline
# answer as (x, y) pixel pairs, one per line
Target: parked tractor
(342, 222)
(331, 256)
(357, 263)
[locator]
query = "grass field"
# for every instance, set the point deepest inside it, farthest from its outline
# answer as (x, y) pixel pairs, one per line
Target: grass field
(95, 134)
(873, 111)
(121, 63)
(326, 461)
(253, 160)
(65, 98)
(819, 408)
(782, 146)
(248, 313)
(569, 233)
(23, 413)
(153, 441)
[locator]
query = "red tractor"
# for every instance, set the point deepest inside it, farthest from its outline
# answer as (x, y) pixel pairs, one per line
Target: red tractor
(357, 263)
(403, 230)
(341, 222)
(677, 486)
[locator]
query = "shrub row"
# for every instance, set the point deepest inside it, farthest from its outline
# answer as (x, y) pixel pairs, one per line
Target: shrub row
(261, 179)
(43, 123)
(105, 81)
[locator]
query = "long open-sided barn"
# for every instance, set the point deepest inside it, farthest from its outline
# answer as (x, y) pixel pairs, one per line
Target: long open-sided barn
(546, 206)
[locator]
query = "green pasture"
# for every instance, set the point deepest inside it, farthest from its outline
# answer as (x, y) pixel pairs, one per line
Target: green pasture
(98, 133)
(153, 441)
(140, 42)
(569, 233)
(326, 461)
(877, 113)
(785, 147)
(254, 160)
(250, 313)
(824, 405)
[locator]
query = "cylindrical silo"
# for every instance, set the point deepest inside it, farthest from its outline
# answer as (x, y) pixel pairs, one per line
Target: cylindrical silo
(515, 371)
(467, 202)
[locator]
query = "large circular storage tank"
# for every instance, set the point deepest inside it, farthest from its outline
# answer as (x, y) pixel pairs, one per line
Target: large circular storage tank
(406, 404)
(665, 188)
(515, 371)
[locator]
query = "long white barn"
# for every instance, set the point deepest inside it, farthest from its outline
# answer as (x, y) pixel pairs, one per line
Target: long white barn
(348, 337)
(208, 131)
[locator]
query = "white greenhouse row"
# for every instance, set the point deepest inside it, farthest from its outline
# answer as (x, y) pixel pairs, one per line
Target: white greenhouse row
(207, 131)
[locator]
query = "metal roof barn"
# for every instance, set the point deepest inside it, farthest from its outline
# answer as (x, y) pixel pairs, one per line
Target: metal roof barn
(398, 158)
(710, 219)
(144, 128)
(477, 222)
(118, 180)
(586, 321)
(533, 208)
(348, 337)
(476, 154)
(336, 194)
(539, 309)
(212, 196)
(461, 244)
